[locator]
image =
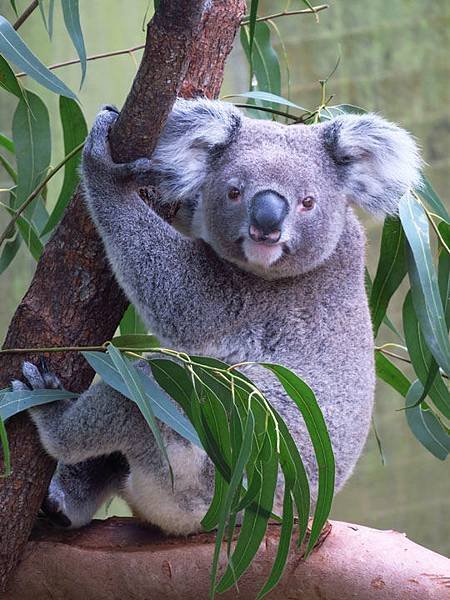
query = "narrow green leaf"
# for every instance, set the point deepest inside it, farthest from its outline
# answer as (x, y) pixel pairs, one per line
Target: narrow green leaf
(283, 545)
(131, 322)
(136, 341)
(389, 373)
(74, 133)
(422, 360)
(330, 112)
(9, 252)
(298, 479)
(12, 403)
(5, 451)
(252, 26)
(265, 62)
(233, 488)
(423, 278)
(306, 401)
(71, 13)
(427, 192)
(51, 10)
(8, 80)
(391, 270)
(174, 380)
(28, 232)
(8, 168)
(32, 140)
(273, 98)
(15, 50)
(253, 528)
(424, 425)
(14, 6)
(162, 406)
(6, 143)
(136, 391)
(210, 520)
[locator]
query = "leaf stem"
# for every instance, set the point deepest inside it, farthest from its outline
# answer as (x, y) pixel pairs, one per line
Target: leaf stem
(37, 190)
(74, 61)
(287, 13)
(26, 13)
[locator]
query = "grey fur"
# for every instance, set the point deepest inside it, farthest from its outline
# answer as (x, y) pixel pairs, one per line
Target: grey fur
(301, 303)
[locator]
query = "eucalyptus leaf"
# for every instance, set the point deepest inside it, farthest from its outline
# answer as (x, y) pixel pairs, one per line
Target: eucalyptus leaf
(423, 279)
(9, 252)
(268, 97)
(8, 80)
(306, 401)
(422, 360)
(15, 50)
(71, 14)
(424, 424)
(264, 62)
(12, 403)
(135, 388)
(32, 140)
(163, 408)
(254, 525)
(233, 488)
(283, 545)
(391, 270)
(131, 322)
(74, 133)
(427, 192)
(391, 374)
(6, 143)
(136, 341)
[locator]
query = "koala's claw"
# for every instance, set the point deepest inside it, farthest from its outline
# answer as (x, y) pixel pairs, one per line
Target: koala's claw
(111, 108)
(37, 379)
(53, 511)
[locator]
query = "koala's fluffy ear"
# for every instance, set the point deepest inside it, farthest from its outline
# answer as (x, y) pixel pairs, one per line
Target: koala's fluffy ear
(195, 131)
(379, 160)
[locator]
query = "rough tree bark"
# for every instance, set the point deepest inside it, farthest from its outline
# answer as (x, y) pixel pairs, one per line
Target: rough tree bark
(117, 559)
(73, 299)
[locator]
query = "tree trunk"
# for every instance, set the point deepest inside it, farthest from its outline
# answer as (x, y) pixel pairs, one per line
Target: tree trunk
(118, 559)
(74, 299)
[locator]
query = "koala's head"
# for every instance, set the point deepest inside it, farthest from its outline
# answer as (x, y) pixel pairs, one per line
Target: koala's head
(273, 198)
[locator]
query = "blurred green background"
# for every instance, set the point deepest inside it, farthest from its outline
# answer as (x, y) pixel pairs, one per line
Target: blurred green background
(395, 59)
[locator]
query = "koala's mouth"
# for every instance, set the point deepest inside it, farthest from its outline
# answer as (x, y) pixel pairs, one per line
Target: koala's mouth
(263, 254)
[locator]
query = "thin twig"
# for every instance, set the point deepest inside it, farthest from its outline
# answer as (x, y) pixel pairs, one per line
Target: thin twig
(388, 353)
(26, 13)
(74, 61)
(271, 110)
(38, 190)
(287, 13)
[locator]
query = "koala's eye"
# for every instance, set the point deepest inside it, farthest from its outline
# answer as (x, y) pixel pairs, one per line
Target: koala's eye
(307, 203)
(234, 194)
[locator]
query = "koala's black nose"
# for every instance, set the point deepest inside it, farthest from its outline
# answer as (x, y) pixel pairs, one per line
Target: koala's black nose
(267, 212)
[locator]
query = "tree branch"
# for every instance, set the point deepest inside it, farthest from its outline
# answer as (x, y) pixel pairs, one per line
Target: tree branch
(350, 561)
(26, 13)
(74, 299)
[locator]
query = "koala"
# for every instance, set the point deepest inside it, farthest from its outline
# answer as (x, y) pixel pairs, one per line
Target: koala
(264, 262)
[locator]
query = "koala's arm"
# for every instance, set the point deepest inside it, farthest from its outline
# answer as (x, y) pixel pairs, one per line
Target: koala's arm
(167, 277)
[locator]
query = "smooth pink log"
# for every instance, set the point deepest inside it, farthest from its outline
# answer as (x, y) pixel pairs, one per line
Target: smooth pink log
(118, 559)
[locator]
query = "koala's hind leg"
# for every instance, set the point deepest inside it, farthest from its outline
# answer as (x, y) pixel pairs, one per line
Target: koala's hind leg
(77, 491)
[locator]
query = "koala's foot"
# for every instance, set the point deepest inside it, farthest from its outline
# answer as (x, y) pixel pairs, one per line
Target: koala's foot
(97, 160)
(37, 378)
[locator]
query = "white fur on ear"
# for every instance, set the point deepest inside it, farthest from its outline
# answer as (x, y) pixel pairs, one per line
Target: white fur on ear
(379, 160)
(194, 130)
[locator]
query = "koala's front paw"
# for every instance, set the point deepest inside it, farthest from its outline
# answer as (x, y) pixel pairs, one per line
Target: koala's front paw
(98, 166)
(37, 378)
